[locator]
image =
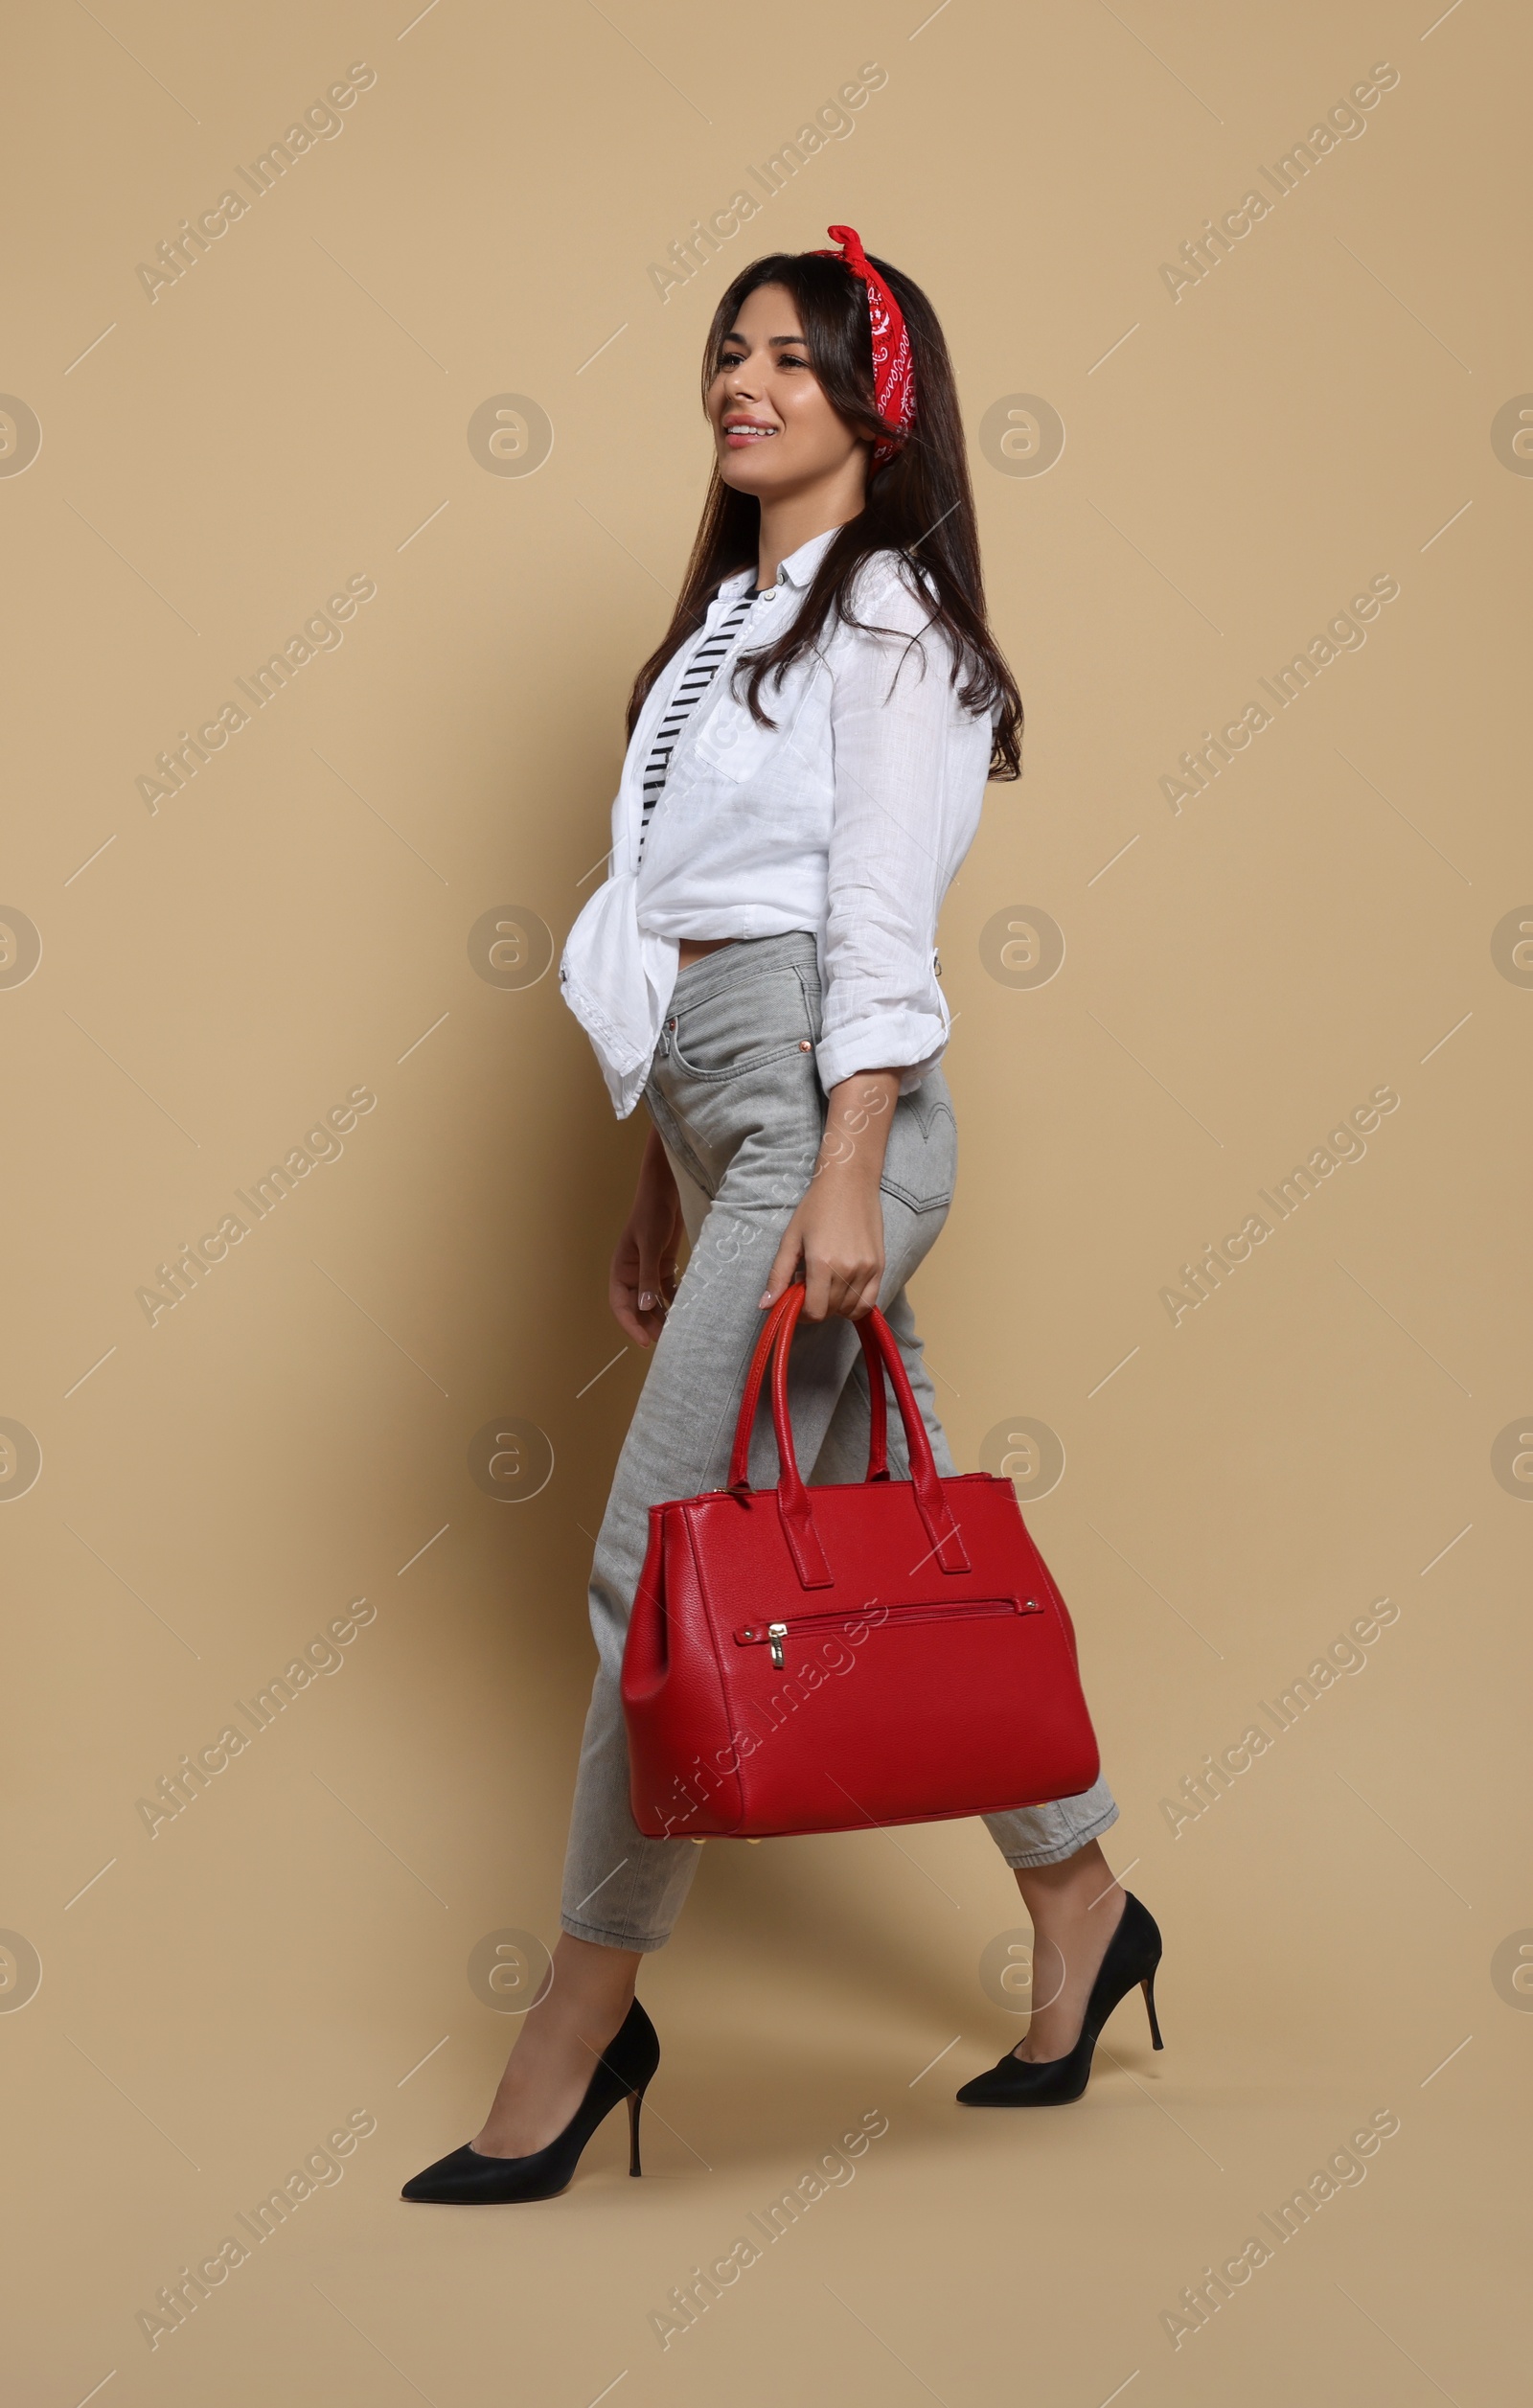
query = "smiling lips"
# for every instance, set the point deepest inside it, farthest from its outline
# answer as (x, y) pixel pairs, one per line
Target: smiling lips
(738, 431)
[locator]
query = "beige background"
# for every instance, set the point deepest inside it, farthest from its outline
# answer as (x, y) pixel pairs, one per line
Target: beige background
(216, 975)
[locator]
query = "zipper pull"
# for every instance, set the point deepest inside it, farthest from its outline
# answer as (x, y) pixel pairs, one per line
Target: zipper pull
(777, 1631)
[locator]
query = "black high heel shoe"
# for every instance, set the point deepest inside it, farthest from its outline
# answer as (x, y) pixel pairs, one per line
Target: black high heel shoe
(624, 2069)
(1133, 1953)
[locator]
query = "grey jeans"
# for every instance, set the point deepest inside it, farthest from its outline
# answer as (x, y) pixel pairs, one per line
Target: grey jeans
(734, 1093)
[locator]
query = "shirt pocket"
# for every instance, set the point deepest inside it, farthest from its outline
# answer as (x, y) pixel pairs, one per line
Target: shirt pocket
(734, 745)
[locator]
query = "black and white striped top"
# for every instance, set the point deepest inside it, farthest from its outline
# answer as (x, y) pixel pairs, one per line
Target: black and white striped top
(698, 676)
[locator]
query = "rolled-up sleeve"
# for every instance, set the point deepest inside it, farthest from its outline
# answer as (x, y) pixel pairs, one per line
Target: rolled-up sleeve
(909, 765)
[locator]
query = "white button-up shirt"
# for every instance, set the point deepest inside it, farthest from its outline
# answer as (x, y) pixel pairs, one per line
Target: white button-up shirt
(850, 819)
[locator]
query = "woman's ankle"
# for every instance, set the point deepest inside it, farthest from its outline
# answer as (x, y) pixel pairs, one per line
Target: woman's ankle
(590, 1968)
(1075, 1886)
(584, 2002)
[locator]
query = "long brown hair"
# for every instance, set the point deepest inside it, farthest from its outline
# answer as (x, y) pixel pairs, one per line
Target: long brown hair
(920, 504)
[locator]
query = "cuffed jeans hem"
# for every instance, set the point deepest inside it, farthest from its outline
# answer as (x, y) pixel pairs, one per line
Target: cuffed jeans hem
(1072, 1847)
(612, 1939)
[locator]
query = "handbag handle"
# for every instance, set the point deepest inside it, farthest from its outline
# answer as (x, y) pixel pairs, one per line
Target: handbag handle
(878, 1415)
(883, 1355)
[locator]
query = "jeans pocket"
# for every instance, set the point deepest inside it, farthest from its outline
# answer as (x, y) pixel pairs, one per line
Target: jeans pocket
(920, 1166)
(743, 1027)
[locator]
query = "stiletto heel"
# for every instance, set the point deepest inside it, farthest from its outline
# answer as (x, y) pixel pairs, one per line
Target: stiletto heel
(635, 2102)
(624, 2069)
(1133, 1955)
(1148, 1985)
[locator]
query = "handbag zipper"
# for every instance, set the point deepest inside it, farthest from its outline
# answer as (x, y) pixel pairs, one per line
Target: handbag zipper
(774, 1633)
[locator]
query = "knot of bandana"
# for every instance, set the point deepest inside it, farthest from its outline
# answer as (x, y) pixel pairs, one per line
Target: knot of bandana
(894, 384)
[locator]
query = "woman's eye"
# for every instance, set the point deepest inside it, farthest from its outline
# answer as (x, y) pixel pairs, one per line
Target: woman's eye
(735, 359)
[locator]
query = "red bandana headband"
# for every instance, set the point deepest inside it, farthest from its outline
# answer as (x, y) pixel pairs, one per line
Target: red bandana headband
(894, 383)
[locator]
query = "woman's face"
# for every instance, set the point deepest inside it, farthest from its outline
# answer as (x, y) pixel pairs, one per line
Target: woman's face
(773, 428)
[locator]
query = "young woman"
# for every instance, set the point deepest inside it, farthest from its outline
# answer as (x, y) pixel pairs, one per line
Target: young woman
(808, 748)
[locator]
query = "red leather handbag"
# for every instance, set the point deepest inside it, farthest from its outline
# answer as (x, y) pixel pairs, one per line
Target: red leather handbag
(834, 1657)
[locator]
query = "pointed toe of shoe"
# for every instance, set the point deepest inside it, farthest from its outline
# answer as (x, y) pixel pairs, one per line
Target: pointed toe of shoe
(997, 2087)
(1019, 2082)
(978, 2093)
(466, 2179)
(448, 2179)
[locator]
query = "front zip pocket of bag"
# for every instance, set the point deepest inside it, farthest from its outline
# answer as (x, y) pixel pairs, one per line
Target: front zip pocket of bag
(873, 1617)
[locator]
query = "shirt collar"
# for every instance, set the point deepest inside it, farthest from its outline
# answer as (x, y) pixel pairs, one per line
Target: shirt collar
(799, 569)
